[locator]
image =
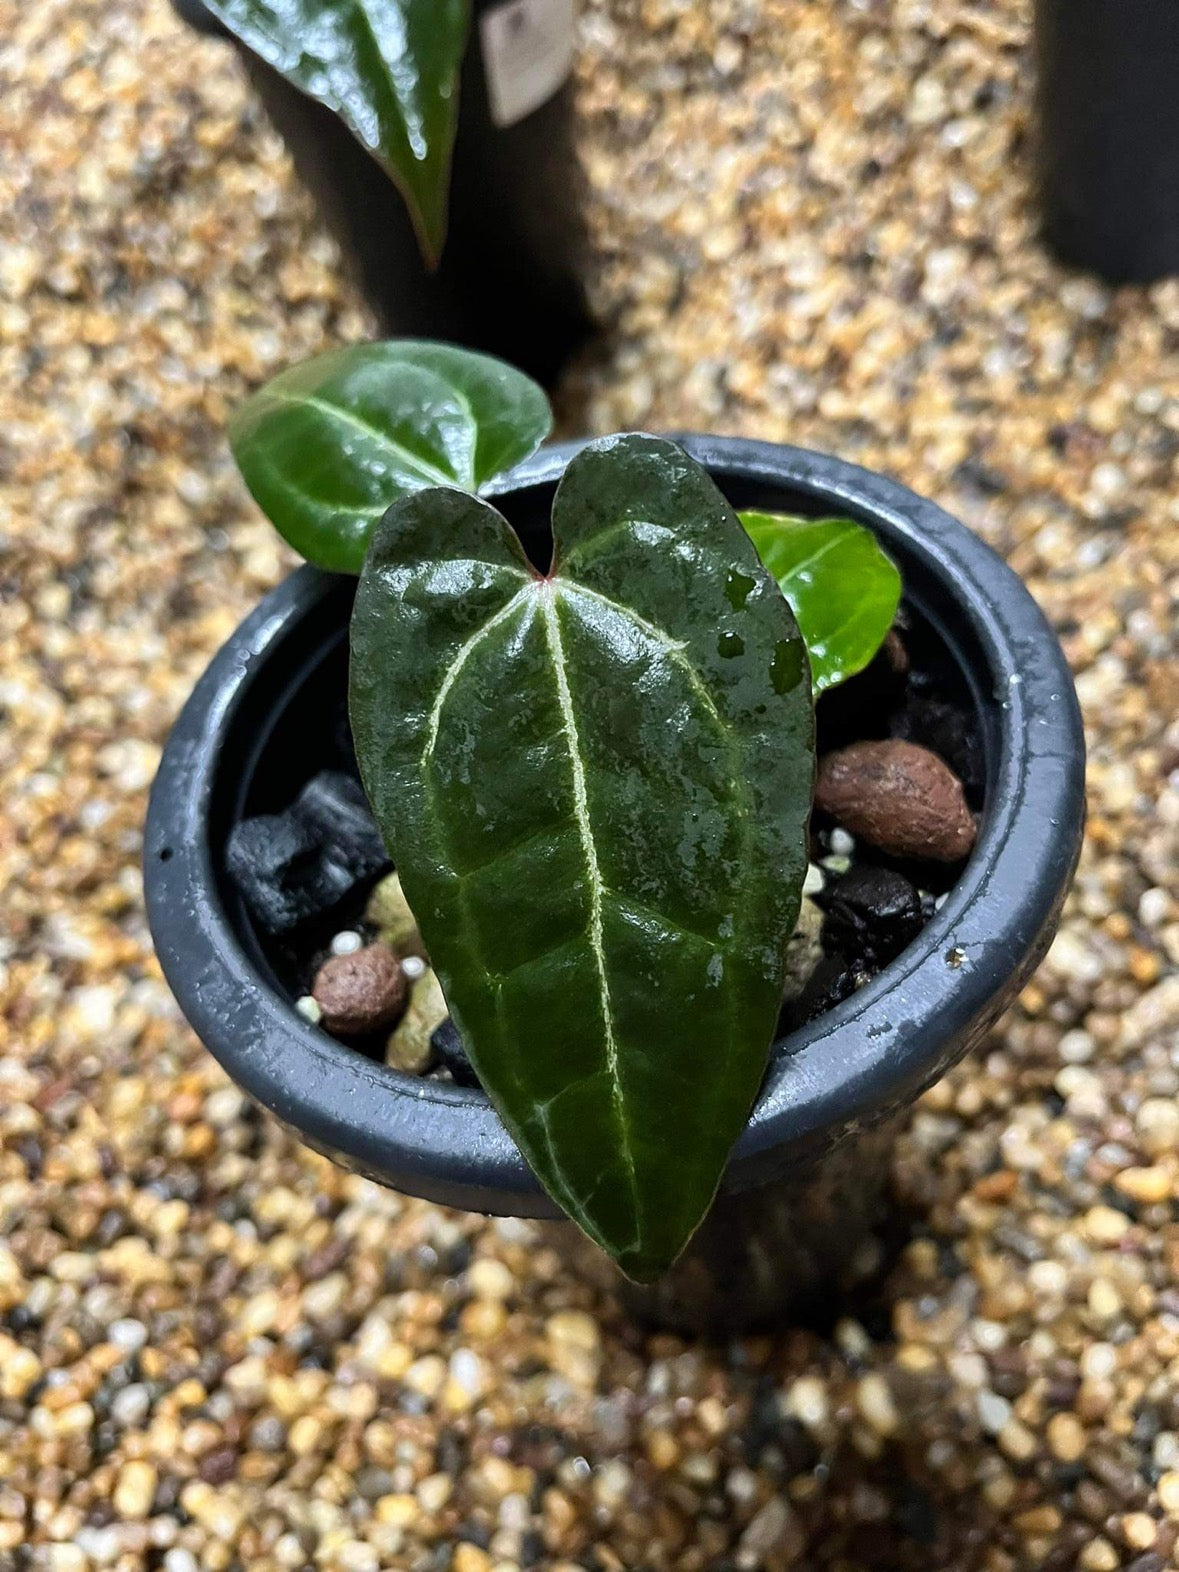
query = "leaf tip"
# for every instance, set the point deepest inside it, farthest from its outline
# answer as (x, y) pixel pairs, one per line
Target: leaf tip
(642, 1270)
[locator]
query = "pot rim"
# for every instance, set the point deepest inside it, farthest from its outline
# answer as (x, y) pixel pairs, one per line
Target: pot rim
(852, 1066)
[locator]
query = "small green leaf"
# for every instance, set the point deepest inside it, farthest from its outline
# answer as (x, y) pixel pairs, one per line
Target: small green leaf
(388, 68)
(596, 788)
(327, 446)
(840, 585)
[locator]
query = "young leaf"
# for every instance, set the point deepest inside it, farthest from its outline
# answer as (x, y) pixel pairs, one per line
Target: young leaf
(841, 587)
(328, 445)
(596, 787)
(388, 68)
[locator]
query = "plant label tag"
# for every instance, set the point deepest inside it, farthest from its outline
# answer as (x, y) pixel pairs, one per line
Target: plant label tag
(527, 54)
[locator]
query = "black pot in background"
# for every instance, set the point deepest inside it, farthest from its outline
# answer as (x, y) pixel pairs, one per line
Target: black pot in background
(806, 1178)
(508, 282)
(1108, 144)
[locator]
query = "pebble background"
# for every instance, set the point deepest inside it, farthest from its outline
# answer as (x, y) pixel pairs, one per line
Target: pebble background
(812, 222)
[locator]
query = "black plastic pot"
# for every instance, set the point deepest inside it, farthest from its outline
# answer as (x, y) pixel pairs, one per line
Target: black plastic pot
(805, 1179)
(508, 282)
(1108, 145)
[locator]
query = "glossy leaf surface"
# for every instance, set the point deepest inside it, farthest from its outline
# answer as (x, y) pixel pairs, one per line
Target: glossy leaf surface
(388, 68)
(596, 788)
(327, 446)
(841, 587)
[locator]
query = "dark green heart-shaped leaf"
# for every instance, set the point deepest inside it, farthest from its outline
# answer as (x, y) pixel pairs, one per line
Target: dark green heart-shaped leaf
(327, 446)
(596, 788)
(842, 588)
(388, 68)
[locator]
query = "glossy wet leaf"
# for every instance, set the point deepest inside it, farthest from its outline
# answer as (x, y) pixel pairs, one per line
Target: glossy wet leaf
(327, 446)
(843, 589)
(596, 787)
(388, 68)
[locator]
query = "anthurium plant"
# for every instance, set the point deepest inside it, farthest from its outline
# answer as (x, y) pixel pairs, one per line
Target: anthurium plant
(389, 68)
(596, 780)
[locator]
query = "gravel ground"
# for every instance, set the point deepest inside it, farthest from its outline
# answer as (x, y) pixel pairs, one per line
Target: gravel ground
(216, 1351)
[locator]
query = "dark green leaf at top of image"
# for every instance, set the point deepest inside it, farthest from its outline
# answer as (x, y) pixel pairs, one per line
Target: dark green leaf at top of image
(596, 787)
(841, 586)
(388, 68)
(327, 446)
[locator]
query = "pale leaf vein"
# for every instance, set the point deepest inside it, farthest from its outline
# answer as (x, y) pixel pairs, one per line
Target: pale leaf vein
(595, 883)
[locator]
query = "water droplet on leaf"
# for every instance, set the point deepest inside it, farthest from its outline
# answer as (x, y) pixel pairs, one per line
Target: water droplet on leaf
(786, 667)
(738, 589)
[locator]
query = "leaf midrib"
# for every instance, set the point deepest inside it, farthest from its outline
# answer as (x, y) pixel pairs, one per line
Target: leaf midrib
(404, 455)
(802, 564)
(595, 883)
(676, 651)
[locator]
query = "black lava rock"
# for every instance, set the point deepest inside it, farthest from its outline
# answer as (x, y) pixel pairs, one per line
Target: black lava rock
(833, 980)
(334, 805)
(273, 860)
(947, 731)
(872, 912)
(451, 1054)
(303, 864)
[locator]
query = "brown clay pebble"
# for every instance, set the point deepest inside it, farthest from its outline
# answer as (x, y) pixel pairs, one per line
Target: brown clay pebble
(361, 992)
(898, 797)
